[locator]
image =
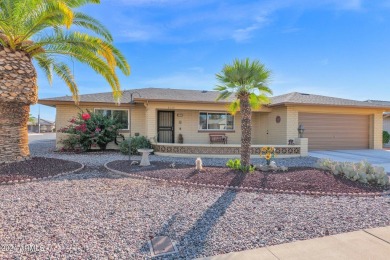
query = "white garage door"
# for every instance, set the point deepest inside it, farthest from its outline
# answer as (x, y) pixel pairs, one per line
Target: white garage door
(335, 132)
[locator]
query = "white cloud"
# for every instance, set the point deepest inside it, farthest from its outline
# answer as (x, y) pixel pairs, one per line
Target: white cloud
(242, 35)
(194, 20)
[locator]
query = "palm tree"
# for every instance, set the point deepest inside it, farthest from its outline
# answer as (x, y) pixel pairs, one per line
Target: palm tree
(247, 81)
(44, 32)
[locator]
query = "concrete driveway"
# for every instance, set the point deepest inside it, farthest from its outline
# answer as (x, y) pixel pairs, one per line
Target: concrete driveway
(376, 157)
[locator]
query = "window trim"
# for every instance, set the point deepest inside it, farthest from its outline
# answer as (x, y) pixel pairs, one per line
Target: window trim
(118, 109)
(207, 122)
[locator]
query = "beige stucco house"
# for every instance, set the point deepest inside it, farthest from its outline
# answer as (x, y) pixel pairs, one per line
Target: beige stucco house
(162, 114)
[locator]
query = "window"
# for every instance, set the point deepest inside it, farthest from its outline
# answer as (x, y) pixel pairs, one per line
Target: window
(121, 115)
(216, 121)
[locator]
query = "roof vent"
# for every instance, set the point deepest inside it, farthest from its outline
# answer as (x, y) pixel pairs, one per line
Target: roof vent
(304, 94)
(204, 91)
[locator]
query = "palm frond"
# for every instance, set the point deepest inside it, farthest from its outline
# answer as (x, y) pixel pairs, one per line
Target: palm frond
(62, 70)
(92, 24)
(234, 107)
(224, 95)
(79, 3)
(245, 79)
(256, 101)
(46, 64)
(39, 28)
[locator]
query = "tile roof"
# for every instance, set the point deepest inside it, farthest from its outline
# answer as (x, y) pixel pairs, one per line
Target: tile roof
(380, 102)
(206, 96)
(311, 99)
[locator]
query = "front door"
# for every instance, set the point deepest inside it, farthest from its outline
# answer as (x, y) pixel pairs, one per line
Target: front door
(165, 127)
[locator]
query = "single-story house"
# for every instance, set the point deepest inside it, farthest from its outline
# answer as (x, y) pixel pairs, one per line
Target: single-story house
(162, 114)
(45, 125)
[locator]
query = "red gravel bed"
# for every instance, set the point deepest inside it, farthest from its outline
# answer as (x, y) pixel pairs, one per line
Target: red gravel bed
(37, 167)
(295, 179)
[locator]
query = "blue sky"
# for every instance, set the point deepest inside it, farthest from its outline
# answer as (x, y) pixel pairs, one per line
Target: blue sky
(329, 47)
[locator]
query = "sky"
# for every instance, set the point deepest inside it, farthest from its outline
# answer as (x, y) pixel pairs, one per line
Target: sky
(339, 48)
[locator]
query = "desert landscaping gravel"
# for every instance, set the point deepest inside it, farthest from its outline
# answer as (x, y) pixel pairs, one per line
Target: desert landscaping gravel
(295, 179)
(95, 214)
(37, 167)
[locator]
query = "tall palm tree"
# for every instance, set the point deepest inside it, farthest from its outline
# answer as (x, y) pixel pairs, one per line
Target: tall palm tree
(42, 31)
(247, 81)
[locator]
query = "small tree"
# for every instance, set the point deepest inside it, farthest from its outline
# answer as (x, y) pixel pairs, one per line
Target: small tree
(92, 129)
(247, 81)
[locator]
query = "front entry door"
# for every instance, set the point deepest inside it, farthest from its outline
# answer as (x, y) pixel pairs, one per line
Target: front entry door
(165, 127)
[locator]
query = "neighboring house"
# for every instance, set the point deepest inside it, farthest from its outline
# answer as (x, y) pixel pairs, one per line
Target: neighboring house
(162, 114)
(46, 125)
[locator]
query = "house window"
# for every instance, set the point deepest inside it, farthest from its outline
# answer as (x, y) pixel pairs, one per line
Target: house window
(121, 115)
(216, 121)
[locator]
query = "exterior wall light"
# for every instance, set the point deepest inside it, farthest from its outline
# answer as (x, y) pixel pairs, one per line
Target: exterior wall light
(301, 130)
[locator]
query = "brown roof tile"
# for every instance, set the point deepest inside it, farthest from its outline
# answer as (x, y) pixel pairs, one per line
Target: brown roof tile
(206, 96)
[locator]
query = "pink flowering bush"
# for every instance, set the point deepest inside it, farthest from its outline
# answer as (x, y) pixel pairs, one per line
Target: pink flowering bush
(90, 130)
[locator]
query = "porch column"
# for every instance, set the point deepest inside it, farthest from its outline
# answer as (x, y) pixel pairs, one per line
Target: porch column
(304, 143)
(151, 123)
(292, 124)
(376, 131)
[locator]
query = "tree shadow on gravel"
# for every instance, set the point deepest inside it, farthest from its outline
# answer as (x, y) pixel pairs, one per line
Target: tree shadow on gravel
(196, 236)
(89, 172)
(194, 240)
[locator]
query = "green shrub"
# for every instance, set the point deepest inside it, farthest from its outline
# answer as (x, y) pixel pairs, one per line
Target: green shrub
(363, 171)
(71, 143)
(386, 137)
(137, 142)
(236, 165)
(92, 129)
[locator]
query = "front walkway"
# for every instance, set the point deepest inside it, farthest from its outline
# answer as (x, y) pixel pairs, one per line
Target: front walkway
(376, 157)
(364, 244)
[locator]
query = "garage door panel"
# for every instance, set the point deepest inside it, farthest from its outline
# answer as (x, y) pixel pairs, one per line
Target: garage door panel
(335, 131)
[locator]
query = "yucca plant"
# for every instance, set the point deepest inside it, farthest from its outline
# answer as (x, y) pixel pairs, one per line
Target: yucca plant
(247, 81)
(42, 31)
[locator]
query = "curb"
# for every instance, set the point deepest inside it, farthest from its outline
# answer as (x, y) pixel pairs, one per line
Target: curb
(250, 189)
(43, 178)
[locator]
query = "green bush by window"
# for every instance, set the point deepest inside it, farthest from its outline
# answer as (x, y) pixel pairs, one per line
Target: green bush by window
(386, 137)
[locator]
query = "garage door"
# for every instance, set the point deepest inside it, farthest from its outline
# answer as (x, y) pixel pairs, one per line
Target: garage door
(335, 132)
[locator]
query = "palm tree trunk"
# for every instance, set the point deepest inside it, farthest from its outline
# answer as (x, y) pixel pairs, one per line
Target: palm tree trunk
(18, 89)
(13, 132)
(246, 130)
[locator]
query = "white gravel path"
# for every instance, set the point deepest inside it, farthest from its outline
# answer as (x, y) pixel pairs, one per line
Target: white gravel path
(98, 215)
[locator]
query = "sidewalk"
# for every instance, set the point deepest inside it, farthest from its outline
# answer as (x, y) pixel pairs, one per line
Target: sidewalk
(364, 244)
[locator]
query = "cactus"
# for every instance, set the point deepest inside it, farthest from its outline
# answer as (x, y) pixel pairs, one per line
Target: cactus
(363, 171)
(362, 177)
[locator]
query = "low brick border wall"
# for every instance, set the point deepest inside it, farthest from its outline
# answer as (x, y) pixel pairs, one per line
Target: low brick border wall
(316, 193)
(43, 178)
(281, 151)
